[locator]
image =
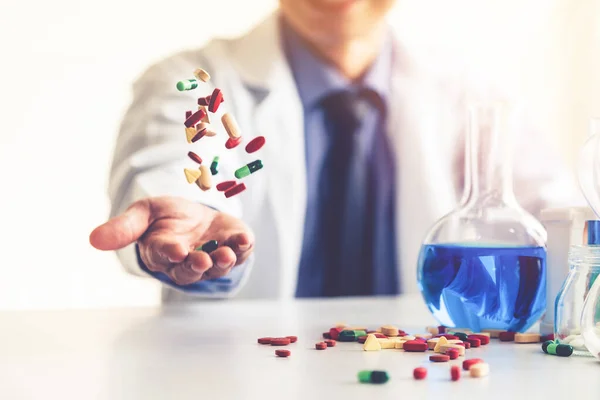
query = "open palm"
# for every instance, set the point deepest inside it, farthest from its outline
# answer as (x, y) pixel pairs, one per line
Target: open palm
(169, 229)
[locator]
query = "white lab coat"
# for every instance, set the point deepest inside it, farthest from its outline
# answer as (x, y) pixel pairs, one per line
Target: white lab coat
(425, 124)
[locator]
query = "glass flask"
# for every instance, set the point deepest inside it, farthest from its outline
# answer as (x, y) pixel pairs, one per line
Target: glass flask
(584, 267)
(483, 265)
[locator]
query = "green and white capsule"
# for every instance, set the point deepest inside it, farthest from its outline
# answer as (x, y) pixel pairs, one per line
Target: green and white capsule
(188, 84)
(248, 169)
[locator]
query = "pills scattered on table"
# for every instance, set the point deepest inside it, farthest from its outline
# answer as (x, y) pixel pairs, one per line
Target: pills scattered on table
(455, 373)
(264, 340)
(282, 353)
(453, 353)
(479, 370)
(484, 339)
(506, 336)
(293, 339)
(373, 377)
(420, 373)
(321, 346)
(527, 338)
(282, 341)
(439, 358)
(330, 342)
(415, 346)
(372, 343)
(467, 364)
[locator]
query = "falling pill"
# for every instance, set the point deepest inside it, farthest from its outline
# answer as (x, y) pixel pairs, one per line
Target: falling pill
(255, 144)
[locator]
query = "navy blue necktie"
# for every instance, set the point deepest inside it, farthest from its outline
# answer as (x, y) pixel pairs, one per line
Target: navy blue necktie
(342, 120)
(340, 259)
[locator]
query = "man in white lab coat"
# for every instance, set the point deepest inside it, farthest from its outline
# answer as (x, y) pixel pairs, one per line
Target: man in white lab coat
(362, 156)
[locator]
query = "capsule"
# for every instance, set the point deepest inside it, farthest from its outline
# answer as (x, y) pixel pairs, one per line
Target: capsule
(461, 335)
(214, 166)
(373, 377)
(248, 169)
(209, 247)
(188, 84)
(546, 344)
(564, 350)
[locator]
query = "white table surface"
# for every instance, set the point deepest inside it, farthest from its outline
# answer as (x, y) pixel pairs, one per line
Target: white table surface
(209, 351)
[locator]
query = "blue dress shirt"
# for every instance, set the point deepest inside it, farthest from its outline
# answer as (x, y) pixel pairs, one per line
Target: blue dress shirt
(315, 80)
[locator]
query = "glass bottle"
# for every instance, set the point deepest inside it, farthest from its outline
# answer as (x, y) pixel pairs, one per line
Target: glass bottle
(483, 265)
(590, 317)
(584, 267)
(589, 181)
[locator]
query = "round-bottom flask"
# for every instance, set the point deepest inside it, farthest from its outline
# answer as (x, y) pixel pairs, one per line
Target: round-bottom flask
(484, 264)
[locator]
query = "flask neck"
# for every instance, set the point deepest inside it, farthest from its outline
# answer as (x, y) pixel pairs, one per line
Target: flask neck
(488, 158)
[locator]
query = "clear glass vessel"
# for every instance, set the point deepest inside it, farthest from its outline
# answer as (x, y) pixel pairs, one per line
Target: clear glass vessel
(590, 319)
(483, 265)
(584, 267)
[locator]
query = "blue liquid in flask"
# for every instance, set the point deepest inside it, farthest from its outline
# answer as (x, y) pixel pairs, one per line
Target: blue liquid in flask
(479, 287)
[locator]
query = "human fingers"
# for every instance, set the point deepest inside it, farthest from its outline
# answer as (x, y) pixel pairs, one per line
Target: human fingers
(123, 229)
(242, 245)
(223, 260)
(160, 251)
(192, 269)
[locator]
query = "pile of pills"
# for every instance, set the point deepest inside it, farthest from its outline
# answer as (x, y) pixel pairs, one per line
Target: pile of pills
(198, 125)
(446, 343)
(279, 341)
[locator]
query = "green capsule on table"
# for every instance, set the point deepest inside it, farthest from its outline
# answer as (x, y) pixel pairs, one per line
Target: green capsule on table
(461, 335)
(248, 169)
(373, 377)
(551, 348)
(564, 350)
(546, 344)
(209, 246)
(188, 84)
(347, 336)
(214, 166)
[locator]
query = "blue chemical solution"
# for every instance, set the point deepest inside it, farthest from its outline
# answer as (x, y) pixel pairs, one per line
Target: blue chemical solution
(479, 287)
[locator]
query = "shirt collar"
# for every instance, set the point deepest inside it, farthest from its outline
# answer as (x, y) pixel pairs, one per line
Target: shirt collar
(316, 79)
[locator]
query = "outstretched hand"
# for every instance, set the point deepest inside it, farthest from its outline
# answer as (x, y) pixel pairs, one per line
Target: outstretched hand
(168, 229)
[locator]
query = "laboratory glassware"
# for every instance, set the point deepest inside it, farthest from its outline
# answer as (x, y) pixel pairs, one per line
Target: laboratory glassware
(483, 265)
(584, 264)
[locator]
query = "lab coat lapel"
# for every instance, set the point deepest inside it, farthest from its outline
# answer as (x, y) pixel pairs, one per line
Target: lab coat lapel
(279, 117)
(424, 190)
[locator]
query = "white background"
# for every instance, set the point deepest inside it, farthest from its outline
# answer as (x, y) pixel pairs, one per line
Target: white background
(66, 69)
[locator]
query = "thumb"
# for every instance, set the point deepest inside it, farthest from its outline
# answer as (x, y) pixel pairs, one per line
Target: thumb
(123, 229)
